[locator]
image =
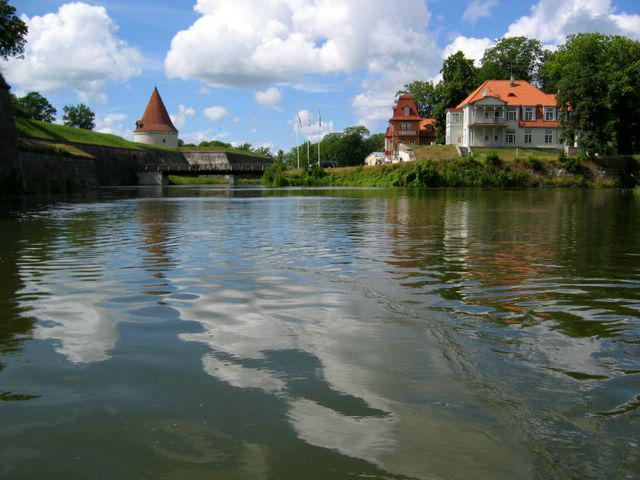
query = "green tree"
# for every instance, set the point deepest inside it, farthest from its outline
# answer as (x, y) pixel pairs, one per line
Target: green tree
(459, 79)
(35, 106)
(79, 116)
(520, 56)
(424, 94)
(597, 77)
(13, 32)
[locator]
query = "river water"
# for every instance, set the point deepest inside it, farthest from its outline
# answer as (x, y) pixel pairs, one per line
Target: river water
(206, 332)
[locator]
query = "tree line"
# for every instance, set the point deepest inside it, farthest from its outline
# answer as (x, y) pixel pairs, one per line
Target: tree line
(346, 148)
(36, 107)
(596, 78)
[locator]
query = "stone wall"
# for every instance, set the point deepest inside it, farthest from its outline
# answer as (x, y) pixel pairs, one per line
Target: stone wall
(107, 166)
(10, 175)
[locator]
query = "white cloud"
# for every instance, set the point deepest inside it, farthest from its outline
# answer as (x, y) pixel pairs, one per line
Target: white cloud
(215, 114)
(551, 21)
(471, 47)
(253, 131)
(269, 98)
(114, 123)
(180, 118)
(202, 135)
(478, 9)
(236, 120)
(256, 43)
(309, 123)
(76, 48)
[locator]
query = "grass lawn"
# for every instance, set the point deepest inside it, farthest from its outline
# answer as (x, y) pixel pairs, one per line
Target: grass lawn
(60, 134)
(435, 152)
(511, 154)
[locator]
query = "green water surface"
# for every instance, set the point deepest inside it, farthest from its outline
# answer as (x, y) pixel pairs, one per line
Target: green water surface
(214, 333)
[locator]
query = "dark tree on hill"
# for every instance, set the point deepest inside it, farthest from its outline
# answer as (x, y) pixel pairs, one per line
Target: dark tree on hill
(521, 56)
(459, 79)
(13, 32)
(598, 76)
(34, 106)
(79, 116)
(424, 94)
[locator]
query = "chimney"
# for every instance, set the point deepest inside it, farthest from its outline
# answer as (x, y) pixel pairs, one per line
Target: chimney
(512, 82)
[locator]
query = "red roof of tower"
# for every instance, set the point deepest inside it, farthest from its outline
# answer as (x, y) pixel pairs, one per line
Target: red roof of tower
(405, 100)
(155, 117)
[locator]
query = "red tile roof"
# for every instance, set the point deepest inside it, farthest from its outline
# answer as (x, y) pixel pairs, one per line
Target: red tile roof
(405, 100)
(155, 117)
(520, 93)
(427, 121)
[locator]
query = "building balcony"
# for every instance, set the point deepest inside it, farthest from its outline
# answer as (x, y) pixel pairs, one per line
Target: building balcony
(408, 133)
(489, 121)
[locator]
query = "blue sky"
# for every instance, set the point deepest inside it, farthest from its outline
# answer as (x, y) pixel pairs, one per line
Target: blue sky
(239, 70)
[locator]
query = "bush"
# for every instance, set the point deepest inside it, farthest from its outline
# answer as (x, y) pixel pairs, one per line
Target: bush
(274, 175)
(493, 160)
(533, 163)
(571, 164)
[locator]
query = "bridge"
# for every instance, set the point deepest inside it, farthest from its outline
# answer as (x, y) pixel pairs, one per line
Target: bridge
(200, 163)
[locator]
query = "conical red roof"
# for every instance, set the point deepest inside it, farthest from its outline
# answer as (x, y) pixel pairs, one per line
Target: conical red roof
(155, 117)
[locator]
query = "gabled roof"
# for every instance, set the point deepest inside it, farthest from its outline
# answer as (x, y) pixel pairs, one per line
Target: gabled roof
(520, 93)
(405, 100)
(155, 117)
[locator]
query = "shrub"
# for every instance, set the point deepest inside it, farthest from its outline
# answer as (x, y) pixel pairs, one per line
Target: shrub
(493, 160)
(274, 175)
(533, 163)
(571, 164)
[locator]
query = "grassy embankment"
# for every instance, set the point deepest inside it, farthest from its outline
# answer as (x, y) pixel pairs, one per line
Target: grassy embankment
(66, 141)
(58, 137)
(440, 166)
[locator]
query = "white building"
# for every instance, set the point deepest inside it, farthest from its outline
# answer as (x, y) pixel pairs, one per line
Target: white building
(505, 113)
(155, 127)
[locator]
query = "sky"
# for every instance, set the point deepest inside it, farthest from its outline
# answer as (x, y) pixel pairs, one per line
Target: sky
(241, 70)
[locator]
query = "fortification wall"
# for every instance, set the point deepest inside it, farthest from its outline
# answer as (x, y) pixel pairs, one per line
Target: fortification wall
(10, 174)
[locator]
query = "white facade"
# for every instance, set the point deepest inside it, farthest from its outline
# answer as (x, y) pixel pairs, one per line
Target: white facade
(169, 139)
(490, 122)
(376, 158)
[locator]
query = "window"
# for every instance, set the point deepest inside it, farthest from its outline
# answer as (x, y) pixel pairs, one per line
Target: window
(456, 117)
(486, 113)
(486, 137)
(511, 114)
(429, 128)
(511, 136)
(528, 136)
(498, 112)
(528, 113)
(549, 114)
(407, 111)
(548, 136)
(405, 127)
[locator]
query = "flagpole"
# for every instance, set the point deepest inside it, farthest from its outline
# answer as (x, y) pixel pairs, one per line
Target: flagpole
(309, 141)
(319, 135)
(298, 124)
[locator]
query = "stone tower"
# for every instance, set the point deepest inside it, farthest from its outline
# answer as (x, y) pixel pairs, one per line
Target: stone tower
(155, 127)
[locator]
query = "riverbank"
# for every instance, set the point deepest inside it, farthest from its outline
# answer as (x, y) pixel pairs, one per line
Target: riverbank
(487, 169)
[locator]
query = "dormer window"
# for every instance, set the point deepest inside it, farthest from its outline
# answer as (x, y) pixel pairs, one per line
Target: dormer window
(407, 111)
(549, 114)
(528, 113)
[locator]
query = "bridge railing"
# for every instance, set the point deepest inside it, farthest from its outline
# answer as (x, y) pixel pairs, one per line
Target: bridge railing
(205, 167)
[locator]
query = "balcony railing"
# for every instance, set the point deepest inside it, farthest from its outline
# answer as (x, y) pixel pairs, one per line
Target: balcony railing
(406, 133)
(489, 121)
